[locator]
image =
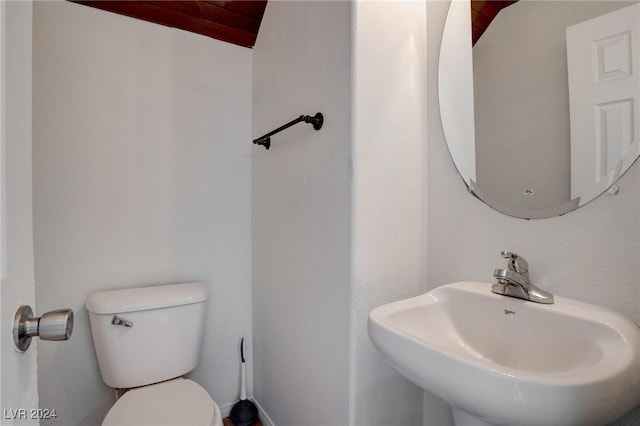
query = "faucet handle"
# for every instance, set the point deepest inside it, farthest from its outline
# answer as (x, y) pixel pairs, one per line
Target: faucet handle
(516, 262)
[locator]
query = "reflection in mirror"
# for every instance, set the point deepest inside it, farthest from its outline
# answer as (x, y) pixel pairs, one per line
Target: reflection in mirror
(542, 114)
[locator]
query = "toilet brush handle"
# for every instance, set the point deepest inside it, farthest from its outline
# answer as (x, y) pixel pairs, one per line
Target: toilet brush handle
(243, 380)
(243, 385)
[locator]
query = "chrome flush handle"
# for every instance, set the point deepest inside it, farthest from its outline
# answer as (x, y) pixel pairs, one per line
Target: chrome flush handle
(121, 321)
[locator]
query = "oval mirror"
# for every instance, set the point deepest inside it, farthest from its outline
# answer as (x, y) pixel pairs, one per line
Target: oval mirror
(540, 101)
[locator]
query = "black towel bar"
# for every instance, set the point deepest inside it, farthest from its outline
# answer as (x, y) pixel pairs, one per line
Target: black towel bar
(317, 121)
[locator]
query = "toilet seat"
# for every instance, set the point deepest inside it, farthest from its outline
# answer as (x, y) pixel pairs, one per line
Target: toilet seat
(177, 402)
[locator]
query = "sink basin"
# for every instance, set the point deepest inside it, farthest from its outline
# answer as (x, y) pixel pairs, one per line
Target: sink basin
(508, 361)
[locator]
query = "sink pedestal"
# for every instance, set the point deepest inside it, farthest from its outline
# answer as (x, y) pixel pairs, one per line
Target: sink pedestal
(462, 418)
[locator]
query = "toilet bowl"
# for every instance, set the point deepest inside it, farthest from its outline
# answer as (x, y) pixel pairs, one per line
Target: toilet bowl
(146, 339)
(177, 402)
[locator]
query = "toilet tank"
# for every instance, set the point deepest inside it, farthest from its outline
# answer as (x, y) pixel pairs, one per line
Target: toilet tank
(149, 334)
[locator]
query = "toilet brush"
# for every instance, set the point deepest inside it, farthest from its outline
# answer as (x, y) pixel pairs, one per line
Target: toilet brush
(243, 412)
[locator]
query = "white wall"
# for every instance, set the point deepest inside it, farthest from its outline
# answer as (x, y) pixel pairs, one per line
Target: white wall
(388, 200)
(141, 158)
(590, 254)
(338, 215)
(300, 209)
(18, 369)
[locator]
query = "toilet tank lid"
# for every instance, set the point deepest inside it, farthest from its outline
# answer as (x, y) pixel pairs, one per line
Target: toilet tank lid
(145, 298)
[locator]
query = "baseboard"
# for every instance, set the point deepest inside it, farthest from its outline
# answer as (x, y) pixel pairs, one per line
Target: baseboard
(266, 420)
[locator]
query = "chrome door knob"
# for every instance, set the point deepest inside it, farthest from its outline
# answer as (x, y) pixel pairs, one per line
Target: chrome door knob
(53, 325)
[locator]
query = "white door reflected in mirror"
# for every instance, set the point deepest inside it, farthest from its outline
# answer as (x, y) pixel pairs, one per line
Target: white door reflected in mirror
(603, 57)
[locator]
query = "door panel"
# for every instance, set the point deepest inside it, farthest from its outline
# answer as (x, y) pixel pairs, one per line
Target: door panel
(19, 381)
(604, 90)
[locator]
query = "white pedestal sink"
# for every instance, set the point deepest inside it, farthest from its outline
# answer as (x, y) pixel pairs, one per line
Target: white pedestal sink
(507, 361)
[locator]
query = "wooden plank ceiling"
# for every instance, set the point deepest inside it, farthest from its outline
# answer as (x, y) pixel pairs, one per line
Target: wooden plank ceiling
(238, 21)
(482, 13)
(235, 21)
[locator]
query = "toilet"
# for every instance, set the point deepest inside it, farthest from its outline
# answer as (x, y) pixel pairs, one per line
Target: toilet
(146, 339)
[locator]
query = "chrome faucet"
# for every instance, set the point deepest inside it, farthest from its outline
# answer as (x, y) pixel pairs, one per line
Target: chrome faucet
(514, 281)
